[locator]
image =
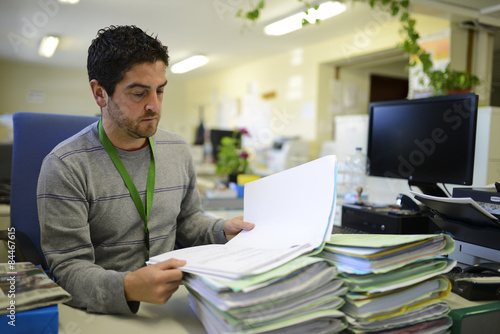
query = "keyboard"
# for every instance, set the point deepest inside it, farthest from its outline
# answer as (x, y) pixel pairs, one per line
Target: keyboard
(346, 230)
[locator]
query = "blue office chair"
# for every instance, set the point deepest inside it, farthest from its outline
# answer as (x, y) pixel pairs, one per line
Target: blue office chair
(35, 135)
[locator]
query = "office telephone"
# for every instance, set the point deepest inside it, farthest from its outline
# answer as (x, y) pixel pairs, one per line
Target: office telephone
(478, 282)
(484, 269)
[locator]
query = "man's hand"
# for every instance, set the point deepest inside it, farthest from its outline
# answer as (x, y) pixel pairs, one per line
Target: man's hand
(234, 226)
(155, 283)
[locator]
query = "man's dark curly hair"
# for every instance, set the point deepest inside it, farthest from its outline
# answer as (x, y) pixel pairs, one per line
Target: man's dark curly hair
(116, 49)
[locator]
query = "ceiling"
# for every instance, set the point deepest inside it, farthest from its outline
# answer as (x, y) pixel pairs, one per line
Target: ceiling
(190, 27)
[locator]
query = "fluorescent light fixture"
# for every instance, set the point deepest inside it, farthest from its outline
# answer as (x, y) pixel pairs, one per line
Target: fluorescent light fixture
(70, 2)
(48, 46)
(189, 64)
(294, 22)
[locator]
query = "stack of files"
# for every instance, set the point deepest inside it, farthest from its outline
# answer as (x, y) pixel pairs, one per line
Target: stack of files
(267, 280)
(24, 286)
(396, 282)
(302, 296)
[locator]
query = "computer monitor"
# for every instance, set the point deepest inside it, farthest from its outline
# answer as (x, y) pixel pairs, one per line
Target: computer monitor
(426, 141)
(216, 136)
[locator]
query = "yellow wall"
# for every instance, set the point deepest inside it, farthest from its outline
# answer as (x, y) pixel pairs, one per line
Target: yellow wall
(273, 74)
(67, 90)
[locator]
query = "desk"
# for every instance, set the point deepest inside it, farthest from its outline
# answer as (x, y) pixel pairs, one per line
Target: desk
(175, 317)
(4, 216)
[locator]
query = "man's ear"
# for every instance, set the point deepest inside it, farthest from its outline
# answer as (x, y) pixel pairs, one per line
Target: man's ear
(100, 94)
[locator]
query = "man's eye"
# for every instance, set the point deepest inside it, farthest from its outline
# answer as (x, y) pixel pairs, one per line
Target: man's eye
(139, 94)
(160, 92)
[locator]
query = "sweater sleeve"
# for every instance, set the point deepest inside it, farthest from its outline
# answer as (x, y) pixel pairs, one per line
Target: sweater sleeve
(193, 226)
(67, 245)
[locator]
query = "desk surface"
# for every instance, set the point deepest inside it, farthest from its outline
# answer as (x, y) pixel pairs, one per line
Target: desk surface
(175, 317)
(4, 209)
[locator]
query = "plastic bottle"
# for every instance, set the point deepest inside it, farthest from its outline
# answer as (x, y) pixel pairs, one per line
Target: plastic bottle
(357, 178)
(342, 177)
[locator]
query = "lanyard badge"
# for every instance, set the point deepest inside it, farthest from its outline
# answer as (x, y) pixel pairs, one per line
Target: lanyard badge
(143, 212)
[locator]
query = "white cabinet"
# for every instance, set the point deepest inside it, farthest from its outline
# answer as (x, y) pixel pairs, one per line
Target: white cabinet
(487, 154)
(351, 131)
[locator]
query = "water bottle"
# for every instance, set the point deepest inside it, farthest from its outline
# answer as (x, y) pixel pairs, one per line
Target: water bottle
(342, 177)
(357, 178)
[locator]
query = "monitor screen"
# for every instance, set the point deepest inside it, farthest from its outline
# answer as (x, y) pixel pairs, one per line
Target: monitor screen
(426, 141)
(216, 136)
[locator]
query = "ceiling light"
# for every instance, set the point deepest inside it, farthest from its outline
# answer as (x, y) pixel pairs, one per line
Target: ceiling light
(48, 46)
(294, 22)
(70, 2)
(189, 64)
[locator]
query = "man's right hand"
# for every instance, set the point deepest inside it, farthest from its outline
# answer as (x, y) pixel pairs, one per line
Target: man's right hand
(155, 283)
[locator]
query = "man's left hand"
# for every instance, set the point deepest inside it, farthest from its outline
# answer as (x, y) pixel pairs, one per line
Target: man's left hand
(234, 226)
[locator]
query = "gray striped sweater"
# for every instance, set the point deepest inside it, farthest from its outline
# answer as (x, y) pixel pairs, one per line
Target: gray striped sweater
(91, 232)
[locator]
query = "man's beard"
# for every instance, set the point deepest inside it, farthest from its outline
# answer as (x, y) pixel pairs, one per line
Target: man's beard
(133, 128)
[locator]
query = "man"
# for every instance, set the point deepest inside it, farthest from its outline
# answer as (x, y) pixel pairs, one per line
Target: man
(120, 191)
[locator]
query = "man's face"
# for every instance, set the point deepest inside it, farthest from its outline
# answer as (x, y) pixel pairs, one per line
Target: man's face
(135, 108)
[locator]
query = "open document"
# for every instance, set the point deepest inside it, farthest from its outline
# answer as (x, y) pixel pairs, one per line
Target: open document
(293, 215)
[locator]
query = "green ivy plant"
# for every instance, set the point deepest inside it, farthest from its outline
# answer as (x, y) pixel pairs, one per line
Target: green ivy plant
(440, 81)
(253, 13)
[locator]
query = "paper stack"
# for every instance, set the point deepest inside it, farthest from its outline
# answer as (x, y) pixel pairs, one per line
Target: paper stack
(299, 297)
(24, 286)
(395, 282)
(267, 280)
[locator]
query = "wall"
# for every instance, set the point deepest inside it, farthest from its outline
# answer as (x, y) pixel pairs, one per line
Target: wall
(52, 90)
(67, 91)
(296, 84)
(298, 88)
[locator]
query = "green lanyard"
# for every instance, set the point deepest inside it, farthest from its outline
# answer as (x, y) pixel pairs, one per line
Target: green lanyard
(130, 184)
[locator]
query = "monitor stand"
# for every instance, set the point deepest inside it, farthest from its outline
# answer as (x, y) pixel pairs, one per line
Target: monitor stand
(431, 189)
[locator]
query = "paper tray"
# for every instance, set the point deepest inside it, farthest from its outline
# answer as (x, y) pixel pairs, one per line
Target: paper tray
(470, 213)
(484, 236)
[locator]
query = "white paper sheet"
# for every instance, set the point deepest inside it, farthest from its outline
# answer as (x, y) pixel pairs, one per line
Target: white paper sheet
(292, 207)
(293, 214)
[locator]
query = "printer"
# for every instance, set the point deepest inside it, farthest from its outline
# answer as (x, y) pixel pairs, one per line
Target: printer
(286, 153)
(487, 197)
(476, 236)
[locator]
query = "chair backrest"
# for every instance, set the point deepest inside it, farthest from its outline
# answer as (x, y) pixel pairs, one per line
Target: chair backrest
(35, 135)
